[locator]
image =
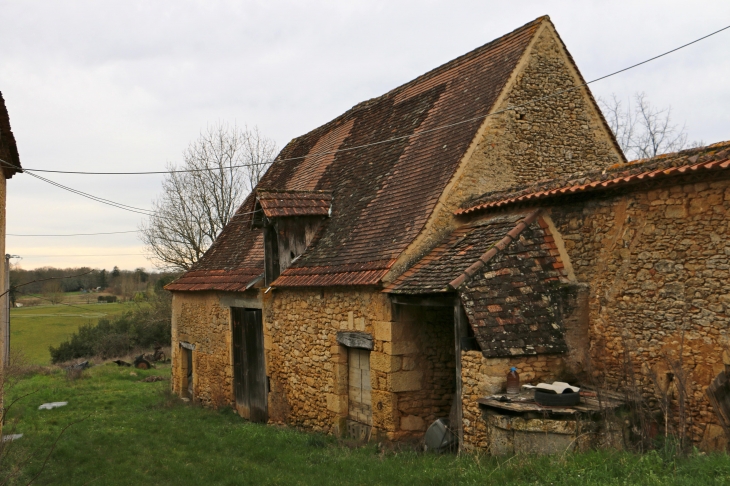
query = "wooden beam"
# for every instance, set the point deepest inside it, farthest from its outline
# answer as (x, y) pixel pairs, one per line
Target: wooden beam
(354, 339)
(443, 300)
(460, 331)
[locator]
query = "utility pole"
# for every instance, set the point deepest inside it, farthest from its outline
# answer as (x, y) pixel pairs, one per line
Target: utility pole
(5, 309)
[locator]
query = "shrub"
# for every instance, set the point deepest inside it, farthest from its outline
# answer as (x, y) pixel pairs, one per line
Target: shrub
(111, 338)
(109, 299)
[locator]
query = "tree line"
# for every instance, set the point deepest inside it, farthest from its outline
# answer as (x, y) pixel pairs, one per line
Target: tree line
(53, 282)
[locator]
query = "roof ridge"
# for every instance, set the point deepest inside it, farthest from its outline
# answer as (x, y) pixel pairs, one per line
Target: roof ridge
(467, 56)
(499, 246)
(295, 191)
(618, 173)
(432, 73)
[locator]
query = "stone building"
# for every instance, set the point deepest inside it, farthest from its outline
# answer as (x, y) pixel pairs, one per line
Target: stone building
(338, 297)
(10, 165)
(603, 277)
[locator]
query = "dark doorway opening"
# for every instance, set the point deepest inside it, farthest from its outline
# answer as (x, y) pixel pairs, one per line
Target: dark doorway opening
(249, 368)
(187, 372)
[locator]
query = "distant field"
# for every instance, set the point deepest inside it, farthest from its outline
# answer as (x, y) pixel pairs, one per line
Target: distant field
(33, 329)
(68, 298)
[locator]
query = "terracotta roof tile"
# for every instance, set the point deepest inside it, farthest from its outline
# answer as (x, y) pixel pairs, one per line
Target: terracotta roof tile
(704, 160)
(513, 301)
(228, 280)
(458, 253)
(234, 259)
(294, 203)
(382, 193)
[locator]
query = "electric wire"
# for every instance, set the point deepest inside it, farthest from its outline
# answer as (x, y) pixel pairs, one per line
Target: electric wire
(133, 209)
(85, 256)
(77, 234)
(402, 137)
(147, 212)
(56, 303)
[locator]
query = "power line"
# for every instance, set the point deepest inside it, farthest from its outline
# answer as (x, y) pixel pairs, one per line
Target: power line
(85, 256)
(153, 172)
(63, 303)
(108, 202)
(402, 137)
(79, 234)
(147, 212)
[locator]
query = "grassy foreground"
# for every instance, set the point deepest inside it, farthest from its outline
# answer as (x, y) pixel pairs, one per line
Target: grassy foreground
(135, 433)
(34, 329)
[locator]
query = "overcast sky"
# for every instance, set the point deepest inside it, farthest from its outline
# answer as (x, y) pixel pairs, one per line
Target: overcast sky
(124, 86)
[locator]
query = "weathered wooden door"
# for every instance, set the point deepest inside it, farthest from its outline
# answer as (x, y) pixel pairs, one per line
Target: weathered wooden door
(249, 369)
(360, 403)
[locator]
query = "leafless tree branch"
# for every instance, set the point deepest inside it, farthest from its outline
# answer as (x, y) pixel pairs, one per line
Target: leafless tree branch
(195, 206)
(643, 130)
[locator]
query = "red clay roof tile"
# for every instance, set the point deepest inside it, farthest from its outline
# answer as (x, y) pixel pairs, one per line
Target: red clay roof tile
(294, 203)
(715, 157)
(382, 193)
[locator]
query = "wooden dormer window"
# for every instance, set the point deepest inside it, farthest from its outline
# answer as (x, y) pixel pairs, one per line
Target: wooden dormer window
(290, 220)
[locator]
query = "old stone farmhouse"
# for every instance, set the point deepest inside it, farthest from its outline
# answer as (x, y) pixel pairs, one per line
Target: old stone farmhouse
(394, 263)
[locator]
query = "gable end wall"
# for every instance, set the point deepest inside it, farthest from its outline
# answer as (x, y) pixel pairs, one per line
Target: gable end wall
(561, 135)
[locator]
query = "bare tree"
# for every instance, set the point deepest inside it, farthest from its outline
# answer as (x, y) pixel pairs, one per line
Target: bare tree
(53, 291)
(644, 131)
(222, 167)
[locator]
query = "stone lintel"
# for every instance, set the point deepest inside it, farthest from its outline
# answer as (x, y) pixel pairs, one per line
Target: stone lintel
(355, 339)
(248, 302)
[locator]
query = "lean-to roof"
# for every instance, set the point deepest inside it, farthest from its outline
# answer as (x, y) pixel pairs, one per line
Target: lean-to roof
(713, 159)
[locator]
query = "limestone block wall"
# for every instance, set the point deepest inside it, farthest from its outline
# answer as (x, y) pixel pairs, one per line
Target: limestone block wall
(199, 319)
(487, 376)
(430, 366)
(561, 134)
(657, 263)
(306, 366)
(411, 365)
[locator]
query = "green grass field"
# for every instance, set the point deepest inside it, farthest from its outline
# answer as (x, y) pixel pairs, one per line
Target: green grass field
(34, 329)
(135, 433)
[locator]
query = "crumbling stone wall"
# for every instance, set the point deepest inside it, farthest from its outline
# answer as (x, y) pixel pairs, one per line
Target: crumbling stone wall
(487, 376)
(199, 318)
(657, 263)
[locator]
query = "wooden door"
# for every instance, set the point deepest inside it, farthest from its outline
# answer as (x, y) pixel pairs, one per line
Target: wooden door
(249, 369)
(360, 404)
(188, 373)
